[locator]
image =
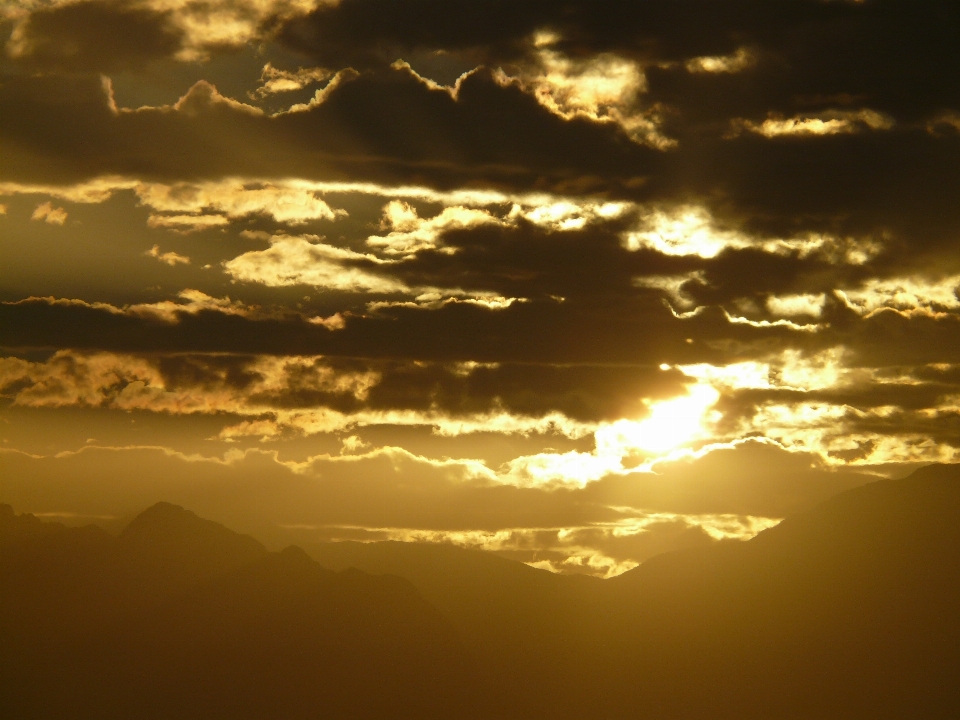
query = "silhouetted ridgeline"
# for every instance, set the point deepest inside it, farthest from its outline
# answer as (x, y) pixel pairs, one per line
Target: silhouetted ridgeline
(179, 617)
(851, 610)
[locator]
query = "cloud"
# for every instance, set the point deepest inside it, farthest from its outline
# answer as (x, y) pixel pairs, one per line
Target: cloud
(306, 261)
(488, 128)
(690, 230)
(831, 122)
(736, 62)
(600, 529)
(286, 202)
(274, 80)
(165, 310)
(169, 258)
(49, 214)
(408, 233)
(93, 35)
(792, 305)
(306, 394)
(116, 34)
(603, 88)
(127, 382)
(906, 293)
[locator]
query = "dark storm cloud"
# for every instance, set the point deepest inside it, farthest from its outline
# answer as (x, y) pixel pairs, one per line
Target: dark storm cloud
(93, 36)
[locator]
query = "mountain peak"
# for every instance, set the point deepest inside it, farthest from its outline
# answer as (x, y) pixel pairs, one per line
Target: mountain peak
(163, 512)
(170, 540)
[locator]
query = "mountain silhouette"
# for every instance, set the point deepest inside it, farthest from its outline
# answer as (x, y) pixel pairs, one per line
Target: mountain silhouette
(849, 610)
(181, 617)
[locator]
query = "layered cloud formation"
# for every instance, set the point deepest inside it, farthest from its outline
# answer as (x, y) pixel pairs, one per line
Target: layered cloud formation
(492, 256)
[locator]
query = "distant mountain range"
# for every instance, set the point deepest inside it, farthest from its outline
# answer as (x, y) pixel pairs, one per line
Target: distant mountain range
(851, 610)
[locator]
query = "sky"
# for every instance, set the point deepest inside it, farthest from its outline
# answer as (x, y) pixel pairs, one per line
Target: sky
(573, 281)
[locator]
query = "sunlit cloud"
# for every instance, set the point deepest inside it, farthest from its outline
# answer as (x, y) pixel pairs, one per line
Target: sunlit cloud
(204, 27)
(597, 540)
(829, 431)
(793, 305)
(799, 327)
(187, 223)
(97, 190)
(563, 214)
(670, 424)
(690, 230)
(201, 98)
(673, 286)
(292, 201)
(129, 382)
(333, 322)
(829, 122)
(904, 293)
(596, 548)
(169, 258)
(604, 88)
(304, 260)
(434, 299)
(738, 61)
(730, 377)
(49, 214)
(846, 250)
(194, 301)
(271, 396)
(788, 370)
(321, 420)
(946, 121)
(233, 198)
(684, 231)
(274, 80)
(408, 233)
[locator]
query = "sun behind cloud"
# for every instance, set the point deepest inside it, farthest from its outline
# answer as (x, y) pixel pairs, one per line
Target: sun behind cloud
(671, 424)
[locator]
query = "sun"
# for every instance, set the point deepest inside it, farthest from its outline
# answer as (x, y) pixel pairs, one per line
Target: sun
(670, 424)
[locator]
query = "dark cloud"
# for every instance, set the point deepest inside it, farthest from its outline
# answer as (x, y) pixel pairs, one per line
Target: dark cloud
(386, 127)
(641, 330)
(588, 393)
(808, 58)
(94, 36)
(810, 53)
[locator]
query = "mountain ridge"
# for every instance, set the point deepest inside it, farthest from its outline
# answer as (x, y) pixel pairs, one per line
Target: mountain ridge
(845, 610)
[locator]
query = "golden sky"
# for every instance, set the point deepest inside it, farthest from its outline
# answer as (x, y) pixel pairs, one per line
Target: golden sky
(575, 282)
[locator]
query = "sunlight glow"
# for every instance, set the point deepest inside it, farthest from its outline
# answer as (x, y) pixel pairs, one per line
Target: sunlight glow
(671, 423)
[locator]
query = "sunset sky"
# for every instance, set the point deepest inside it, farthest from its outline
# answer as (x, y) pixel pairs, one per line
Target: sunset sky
(570, 280)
